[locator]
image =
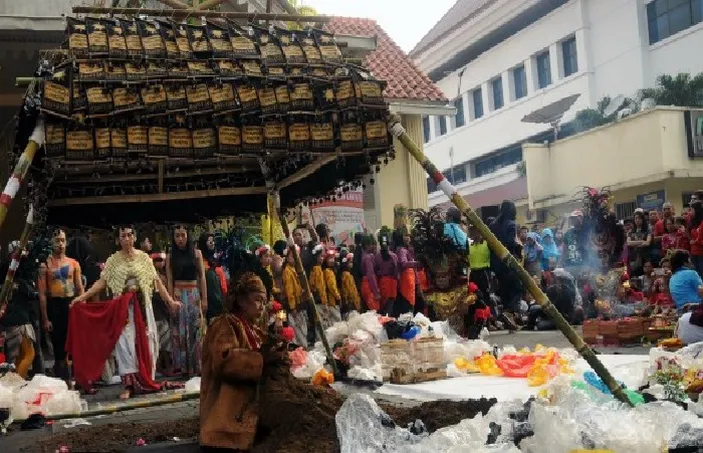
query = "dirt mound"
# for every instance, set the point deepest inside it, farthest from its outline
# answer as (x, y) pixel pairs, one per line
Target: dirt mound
(295, 418)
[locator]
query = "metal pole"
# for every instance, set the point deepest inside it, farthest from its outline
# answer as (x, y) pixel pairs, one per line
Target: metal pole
(398, 131)
(183, 13)
(307, 292)
(16, 258)
(36, 140)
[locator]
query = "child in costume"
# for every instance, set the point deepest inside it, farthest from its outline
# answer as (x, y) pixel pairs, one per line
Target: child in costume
(318, 287)
(334, 298)
(293, 295)
(350, 293)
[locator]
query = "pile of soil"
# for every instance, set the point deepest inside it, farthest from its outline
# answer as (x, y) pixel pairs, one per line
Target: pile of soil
(295, 418)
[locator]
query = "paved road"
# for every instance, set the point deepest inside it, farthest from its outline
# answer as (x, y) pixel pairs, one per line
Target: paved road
(109, 395)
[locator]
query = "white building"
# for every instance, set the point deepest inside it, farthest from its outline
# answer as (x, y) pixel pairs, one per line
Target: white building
(500, 60)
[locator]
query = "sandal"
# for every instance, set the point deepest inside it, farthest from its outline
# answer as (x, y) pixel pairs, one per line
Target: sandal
(125, 395)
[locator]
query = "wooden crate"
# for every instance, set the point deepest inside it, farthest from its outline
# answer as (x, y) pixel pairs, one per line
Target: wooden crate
(408, 358)
(401, 377)
(630, 330)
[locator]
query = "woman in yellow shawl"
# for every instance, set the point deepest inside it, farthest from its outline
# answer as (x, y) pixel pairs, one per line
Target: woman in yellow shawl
(350, 293)
(293, 297)
(334, 298)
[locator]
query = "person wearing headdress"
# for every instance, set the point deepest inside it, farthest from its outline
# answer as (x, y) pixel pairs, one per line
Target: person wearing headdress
(334, 298)
(235, 353)
(278, 259)
(17, 320)
(293, 298)
(263, 267)
(350, 292)
(370, 292)
(387, 272)
(96, 329)
(409, 283)
(319, 292)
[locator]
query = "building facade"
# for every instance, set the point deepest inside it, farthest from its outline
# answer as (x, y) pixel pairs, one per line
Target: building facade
(500, 60)
(660, 158)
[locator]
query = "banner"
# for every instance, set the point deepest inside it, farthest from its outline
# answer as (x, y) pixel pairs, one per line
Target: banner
(344, 217)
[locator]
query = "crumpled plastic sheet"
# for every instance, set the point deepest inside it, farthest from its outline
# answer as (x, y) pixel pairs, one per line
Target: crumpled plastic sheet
(578, 420)
(193, 384)
(43, 394)
(362, 427)
(315, 361)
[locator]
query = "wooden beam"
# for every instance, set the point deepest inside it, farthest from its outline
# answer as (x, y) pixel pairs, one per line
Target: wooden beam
(109, 199)
(209, 4)
(73, 179)
(11, 99)
(306, 171)
(185, 13)
(161, 176)
(175, 4)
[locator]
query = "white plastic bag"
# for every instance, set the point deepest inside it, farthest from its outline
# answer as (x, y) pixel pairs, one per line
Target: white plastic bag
(193, 384)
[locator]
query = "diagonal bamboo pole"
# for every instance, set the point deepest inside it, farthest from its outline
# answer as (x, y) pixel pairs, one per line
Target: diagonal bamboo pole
(16, 258)
(307, 292)
(398, 131)
(304, 283)
(36, 141)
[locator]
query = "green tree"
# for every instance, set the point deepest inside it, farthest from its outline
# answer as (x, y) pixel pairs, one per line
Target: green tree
(681, 90)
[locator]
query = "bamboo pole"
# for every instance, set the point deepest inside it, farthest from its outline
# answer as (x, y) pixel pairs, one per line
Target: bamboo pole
(5, 291)
(307, 292)
(398, 131)
(36, 141)
(132, 405)
(184, 13)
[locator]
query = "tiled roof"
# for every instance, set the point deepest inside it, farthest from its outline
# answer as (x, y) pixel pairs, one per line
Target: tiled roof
(462, 11)
(388, 62)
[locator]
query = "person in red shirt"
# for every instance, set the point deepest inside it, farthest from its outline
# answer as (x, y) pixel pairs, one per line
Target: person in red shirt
(697, 237)
(669, 237)
(659, 227)
(683, 239)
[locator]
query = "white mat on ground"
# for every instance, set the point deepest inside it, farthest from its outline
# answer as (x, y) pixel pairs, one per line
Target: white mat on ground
(626, 368)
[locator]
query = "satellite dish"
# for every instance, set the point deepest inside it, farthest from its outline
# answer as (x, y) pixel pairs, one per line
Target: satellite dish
(614, 105)
(552, 113)
(624, 112)
(648, 103)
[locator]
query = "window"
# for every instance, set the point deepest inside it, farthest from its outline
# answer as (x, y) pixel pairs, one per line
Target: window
(456, 175)
(625, 210)
(571, 65)
(544, 70)
(520, 81)
(459, 119)
(496, 161)
(442, 123)
(477, 97)
(426, 128)
(497, 87)
(668, 17)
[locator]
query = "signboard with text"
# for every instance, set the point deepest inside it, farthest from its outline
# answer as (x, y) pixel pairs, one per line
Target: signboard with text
(344, 217)
(653, 201)
(694, 132)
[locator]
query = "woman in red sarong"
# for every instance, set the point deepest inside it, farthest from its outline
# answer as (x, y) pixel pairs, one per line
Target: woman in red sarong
(387, 271)
(408, 283)
(125, 324)
(370, 293)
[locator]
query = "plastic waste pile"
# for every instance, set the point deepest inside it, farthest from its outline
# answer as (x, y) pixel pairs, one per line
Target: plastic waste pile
(44, 395)
(356, 343)
(565, 418)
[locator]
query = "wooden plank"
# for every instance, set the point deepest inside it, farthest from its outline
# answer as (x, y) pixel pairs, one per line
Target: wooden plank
(306, 171)
(108, 199)
(185, 13)
(161, 176)
(73, 178)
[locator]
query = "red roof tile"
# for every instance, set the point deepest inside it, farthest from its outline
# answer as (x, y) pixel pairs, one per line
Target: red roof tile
(388, 62)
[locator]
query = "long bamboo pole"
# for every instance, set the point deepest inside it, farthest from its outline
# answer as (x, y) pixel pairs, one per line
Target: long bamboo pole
(36, 141)
(398, 131)
(305, 284)
(184, 13)
(132, 405)
(16, 258)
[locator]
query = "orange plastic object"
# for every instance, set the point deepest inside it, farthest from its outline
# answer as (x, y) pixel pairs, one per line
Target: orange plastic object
(323, 377)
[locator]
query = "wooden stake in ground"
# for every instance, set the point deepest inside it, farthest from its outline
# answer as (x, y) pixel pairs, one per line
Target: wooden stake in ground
(396, 128)
(6, 289)
(36, 141)
(307, 292)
